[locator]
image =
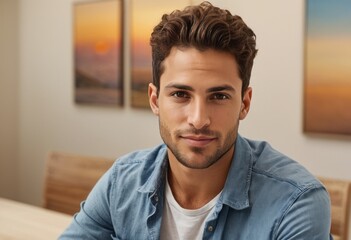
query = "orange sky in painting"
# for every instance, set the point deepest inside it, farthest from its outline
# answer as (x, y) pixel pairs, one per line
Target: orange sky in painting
(328, 60)
(97, 23)
(145, 15)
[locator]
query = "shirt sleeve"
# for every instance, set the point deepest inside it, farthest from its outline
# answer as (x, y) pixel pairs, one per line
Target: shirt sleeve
(308, 217)
(93, 221)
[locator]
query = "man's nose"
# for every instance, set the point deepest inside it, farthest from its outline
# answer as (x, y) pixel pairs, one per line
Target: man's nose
(199, 115)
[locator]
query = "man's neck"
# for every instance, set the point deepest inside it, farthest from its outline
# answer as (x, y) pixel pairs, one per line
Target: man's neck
(193, 188)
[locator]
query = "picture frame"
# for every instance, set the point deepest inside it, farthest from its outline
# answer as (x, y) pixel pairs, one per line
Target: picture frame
(327, 70)
(98, 52)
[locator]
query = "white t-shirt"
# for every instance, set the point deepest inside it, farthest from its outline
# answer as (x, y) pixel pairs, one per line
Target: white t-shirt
(183, 224)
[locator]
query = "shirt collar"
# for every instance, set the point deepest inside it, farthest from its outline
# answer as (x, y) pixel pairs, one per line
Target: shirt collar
(157, 172)
(236, 189)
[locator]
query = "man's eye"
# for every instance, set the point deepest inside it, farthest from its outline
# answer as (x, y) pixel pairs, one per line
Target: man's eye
(220, 96)
(180, 94)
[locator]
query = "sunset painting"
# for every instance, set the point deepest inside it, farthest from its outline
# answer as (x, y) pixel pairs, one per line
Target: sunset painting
(145, 15)
(97, 52)
(327, 96)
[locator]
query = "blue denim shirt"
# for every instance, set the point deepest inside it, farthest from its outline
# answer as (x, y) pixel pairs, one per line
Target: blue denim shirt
(266, 196)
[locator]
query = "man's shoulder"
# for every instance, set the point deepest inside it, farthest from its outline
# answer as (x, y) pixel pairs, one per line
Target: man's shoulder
(286, 189)
(278, 167)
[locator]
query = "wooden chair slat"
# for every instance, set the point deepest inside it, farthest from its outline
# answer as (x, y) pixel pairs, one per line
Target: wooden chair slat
(69, 179)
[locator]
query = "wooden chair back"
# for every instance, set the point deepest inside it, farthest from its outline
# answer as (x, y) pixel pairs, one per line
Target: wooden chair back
(340, 196)
(69, 179)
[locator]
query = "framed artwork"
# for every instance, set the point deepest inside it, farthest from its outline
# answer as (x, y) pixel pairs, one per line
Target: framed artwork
(327, 87)
(145, 16)
(98, 64)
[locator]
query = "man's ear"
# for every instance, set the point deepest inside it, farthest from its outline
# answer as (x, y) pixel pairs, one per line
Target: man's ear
(153, 98)
(245, 105)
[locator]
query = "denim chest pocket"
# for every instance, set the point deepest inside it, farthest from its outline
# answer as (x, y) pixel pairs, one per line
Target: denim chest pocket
(118, 238)
(115, 238)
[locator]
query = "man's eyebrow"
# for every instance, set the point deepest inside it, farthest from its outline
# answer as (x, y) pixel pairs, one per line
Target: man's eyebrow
(179, 86)
(212, 89)
(221, 88)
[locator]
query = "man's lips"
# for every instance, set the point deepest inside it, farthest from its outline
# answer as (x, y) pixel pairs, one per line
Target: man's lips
(198, 140)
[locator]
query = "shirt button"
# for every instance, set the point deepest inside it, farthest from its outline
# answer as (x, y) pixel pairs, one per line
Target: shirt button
(156, 198)
(210, 228)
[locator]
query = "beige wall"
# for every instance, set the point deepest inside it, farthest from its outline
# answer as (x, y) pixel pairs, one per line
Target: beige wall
(49, 119)
(8, 98)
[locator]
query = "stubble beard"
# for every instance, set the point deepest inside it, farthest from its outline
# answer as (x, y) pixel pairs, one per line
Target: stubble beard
(208, 160)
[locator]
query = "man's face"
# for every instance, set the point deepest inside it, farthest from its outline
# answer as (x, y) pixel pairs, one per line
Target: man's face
(199, 106)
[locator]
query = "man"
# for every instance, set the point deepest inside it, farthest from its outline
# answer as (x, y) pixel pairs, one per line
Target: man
(205, 181)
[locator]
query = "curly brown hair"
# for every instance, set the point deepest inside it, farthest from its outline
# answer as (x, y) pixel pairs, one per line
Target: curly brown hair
(204, 27)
